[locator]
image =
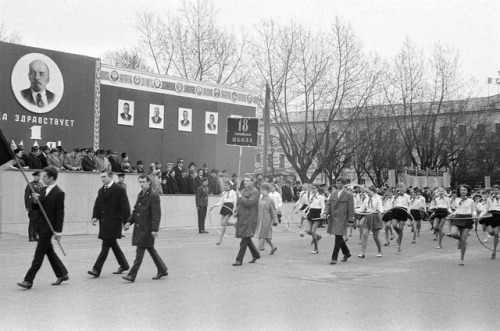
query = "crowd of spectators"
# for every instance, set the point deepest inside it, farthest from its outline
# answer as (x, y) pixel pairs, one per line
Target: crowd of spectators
(171, 179)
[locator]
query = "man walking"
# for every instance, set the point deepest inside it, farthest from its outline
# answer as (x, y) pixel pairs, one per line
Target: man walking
(111, 210)
(146, 217)
(51, 198)
(340, 209)
(246, 211)
(32, 212)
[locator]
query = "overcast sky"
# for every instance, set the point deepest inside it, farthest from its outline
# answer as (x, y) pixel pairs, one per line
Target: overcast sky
(93, 27)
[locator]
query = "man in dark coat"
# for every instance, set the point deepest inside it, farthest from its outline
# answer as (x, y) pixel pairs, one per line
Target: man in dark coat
(32, 159)
(213, 183)
(339, 209)
(202, 204)
(146, 219)
(180, 180)
(246, 211)
(52, 200)
(113, 160)
(111, 210)
(88, 162)
(32, 212)
(44, 154)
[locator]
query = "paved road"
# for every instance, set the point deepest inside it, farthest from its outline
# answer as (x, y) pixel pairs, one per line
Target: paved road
(420, 289)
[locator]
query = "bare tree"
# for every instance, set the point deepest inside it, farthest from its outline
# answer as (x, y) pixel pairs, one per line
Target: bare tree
(126, 58)
(8, 36)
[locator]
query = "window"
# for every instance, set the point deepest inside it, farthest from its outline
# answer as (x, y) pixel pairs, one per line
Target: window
(258, 158)
(497, 129)
(481, 130)
(348, 136)
(260, 140)
(362, 181)
(392, 134)
(462, 130)
(282, 161)
(443, 132)
(334, 136)
(497, 155)
(270, 162)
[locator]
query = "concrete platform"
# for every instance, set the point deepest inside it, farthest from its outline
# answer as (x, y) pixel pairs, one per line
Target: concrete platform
(419, 289)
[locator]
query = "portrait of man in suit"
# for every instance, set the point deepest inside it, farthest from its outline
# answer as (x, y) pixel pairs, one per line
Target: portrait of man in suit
(44, 88)
(211, 122)
(185, 119)
(125, 112)
(156, 116)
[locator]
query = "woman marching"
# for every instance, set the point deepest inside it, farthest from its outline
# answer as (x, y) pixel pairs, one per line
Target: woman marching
(387, 216)
(493, 223)
(462, 218)
(399, 212)
(417, 204)
(441, 206)
(372, 206)
(227, 201)
(316, 209)
(267, 216)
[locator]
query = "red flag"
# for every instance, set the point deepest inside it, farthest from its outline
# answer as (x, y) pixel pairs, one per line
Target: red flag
(6, 153)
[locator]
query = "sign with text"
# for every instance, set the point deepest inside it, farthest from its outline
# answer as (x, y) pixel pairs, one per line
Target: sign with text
(242, 131)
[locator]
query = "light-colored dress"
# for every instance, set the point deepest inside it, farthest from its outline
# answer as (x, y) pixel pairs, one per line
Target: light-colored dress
(267, 216)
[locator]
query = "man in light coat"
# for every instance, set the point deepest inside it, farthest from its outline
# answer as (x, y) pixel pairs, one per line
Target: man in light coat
(246, 211)
(339, 209)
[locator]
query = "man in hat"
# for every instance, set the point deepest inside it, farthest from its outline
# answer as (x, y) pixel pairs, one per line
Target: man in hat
(171, 183)
(54, 159)
(88, 162)
(73, 160)
(44, 153)
(19, 153)
(102, 162)
(33, 214)
(111, 210)
(121, 181)
(113, 160)
(140, 167)
(32, 159)
(125, 164)
(180, 180)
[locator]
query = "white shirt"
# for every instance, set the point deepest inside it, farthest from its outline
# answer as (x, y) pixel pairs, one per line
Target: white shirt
(228, 196)
(358, 199)
(417, 203)
(43, 94)
(49, 188)
(441, 202)
(317, 201)
(492, 204)
(465, 207)
(372, 205)
(276, 197)
(387, 203)
(109, 185)
(401, 201)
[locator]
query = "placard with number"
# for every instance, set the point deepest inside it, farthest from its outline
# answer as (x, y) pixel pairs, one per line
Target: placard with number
(242, 131)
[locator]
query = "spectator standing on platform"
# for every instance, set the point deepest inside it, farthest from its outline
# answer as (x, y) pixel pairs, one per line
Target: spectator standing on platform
(44, 153)
(146, 217)
(54, 159)
(246, 211)
(206, 173)
(33, 213)
(155, 182)
(121, 181)
(213, 183)
(125, 164)
(202, 204)
(171, 183)
(191, 183)
(113, 160)
(88, 162)
(180, 180)
(111, 210)
(20, 157)
(101, 161)
(198, 180)
(32, 159)
(73, 160)
(140, 167)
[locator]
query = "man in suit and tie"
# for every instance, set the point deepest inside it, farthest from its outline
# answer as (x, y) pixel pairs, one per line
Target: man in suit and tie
(111, 210)
(125, 115)
(339, 209)
(185, 118)
(39, 77)
(44, 153)
(32, 213)
(156, 119)
(180, 180)
(51, 198)
(211, 125)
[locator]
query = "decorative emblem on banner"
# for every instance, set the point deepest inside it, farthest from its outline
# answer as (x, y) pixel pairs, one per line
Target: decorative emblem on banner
(249, 98)
(157, 83)
(234, 96)
(179, 87)
(216, 92)
(114, 76)
(137, 80)
(199, 90)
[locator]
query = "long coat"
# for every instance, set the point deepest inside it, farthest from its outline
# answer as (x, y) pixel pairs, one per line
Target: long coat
(267, 216)
(340, 209)
(146, 217)
(247, 209)
(53, 204)
(112, 209)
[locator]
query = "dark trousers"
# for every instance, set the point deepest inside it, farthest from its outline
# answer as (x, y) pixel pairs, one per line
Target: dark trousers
(32, 215)
(106, 245)
(44, 247)
(162, 268)
(339, 244)
(202, 215)
(247, 242)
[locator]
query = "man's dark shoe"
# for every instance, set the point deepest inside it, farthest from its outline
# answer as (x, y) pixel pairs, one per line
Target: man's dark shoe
(93, 272)
(60, 280)
(344, 259)
(119, 271)
(254, 259)
(333, 262)
(25, 284)
(237, 263)
(129, 278)
(160, 275)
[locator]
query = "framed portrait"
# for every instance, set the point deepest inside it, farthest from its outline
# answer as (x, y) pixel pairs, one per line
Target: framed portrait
(125, 112)
(37, 83)
(185, 119)
(211, 122)
(156, 116)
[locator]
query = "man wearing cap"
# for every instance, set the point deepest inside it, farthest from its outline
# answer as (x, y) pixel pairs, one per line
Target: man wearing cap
(19, 153)
(125, 164)
(102, 162)
(73, 160)
(111, 210)
(44, 153)
(180, 180)
(140, 167)
(113, 160)
(88, 163)
(54, 159)
(121, 181)
(32, 159)
(33, 214)
(201, 205)
(171, 184)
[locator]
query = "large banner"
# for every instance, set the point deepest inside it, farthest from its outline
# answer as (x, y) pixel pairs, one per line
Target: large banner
(429, 178)
(48, 98)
